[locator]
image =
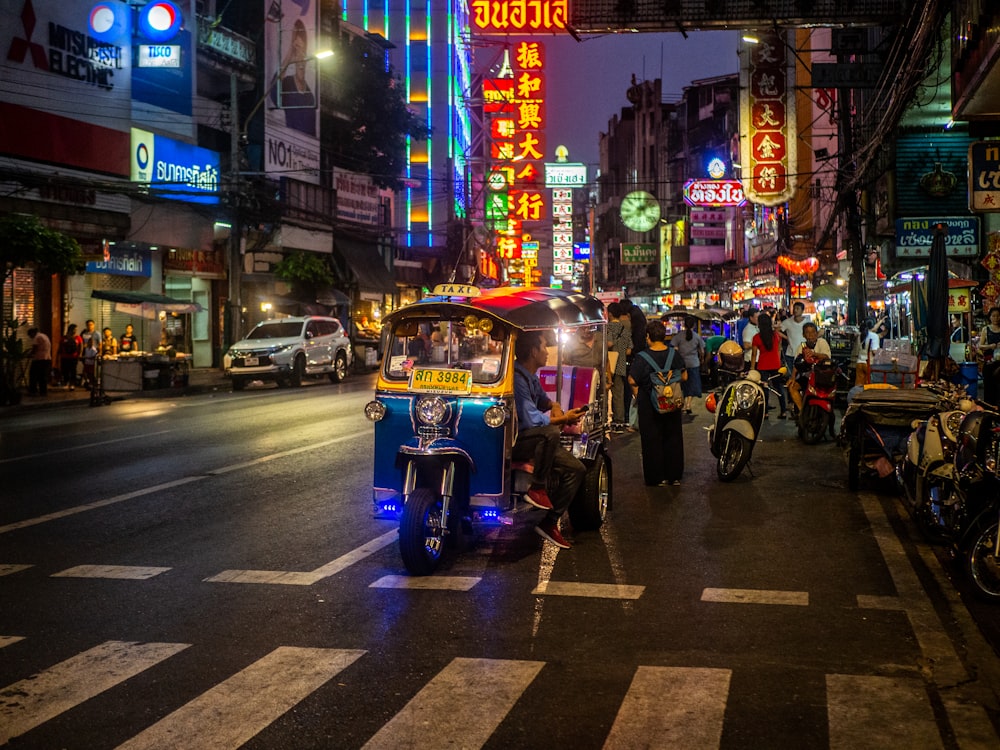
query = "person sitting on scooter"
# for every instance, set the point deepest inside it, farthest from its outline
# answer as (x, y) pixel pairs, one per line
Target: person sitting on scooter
(538, 438)
(812, 351)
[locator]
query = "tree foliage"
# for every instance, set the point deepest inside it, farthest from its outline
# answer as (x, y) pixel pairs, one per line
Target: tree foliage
(304, 270)
(24, 240)
(373, 138)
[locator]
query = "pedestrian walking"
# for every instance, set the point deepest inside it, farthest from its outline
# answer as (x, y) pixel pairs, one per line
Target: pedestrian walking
(661, 436)
(70, 349)
(691, 346)
(41, 363)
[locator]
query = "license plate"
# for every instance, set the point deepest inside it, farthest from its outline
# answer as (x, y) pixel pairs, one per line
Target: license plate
(436, 380)
(250, 362)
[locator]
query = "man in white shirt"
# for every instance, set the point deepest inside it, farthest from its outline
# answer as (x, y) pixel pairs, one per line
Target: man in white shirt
(749, 331)
(792, 328)
(41, 363)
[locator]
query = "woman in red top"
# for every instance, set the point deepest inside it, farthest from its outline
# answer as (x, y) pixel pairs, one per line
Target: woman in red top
(765, 357)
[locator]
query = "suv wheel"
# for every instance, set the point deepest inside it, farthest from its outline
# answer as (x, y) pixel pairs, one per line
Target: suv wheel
(298, 370)
(339, 373)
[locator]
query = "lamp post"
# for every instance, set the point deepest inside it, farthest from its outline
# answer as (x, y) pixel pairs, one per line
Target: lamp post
(237, 138)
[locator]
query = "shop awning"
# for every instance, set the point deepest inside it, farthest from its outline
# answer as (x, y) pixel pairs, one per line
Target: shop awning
(365, 265)
(145, 304)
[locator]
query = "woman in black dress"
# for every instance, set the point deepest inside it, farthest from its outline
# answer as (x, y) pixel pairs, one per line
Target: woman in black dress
(661, 435)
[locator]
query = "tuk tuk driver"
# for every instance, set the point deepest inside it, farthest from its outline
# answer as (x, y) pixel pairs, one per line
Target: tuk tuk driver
(812, 351)
(538, 438)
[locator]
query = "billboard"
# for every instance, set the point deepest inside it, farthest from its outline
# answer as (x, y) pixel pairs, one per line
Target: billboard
(291, 120)
(173, 169)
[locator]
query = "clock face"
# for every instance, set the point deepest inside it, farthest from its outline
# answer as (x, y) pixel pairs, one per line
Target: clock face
(640, 211)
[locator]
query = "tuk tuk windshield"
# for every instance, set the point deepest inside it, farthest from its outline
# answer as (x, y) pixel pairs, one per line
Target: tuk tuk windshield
(479, 345)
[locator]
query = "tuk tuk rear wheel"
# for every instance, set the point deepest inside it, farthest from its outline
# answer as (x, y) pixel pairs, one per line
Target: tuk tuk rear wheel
(590, 507)
(421, 532)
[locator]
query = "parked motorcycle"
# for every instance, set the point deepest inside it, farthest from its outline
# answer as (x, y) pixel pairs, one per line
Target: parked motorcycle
(739, 414)
(816, 417)
(951, 478)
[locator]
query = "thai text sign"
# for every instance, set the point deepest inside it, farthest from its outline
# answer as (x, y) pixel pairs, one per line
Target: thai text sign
(518, 16)
(914, 237)
(714, 193)
(984, 176)
(638, 252)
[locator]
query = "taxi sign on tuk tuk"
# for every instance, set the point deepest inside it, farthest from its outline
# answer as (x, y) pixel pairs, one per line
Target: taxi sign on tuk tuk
(456, 290)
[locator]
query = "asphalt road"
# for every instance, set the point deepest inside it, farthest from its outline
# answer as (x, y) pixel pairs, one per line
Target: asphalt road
(205, 573)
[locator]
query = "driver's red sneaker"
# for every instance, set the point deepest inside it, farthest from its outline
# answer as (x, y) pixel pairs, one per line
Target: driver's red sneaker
(550, 530)
(539, 498)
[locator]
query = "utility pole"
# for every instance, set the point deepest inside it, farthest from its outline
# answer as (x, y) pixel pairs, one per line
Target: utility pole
(234, 306)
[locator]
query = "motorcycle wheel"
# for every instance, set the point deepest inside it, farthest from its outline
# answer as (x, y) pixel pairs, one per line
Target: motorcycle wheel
(813, 423)
(421, 532)
(588, 511)
(982, 564)
(923, 496)
(733, 455)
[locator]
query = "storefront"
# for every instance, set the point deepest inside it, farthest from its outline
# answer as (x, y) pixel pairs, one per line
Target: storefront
(372, 291)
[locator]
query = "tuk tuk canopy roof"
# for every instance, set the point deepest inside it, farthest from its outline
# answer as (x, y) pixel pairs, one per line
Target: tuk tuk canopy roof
(527, 308)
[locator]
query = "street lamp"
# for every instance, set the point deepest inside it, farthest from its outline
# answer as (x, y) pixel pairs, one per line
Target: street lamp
(237, 137)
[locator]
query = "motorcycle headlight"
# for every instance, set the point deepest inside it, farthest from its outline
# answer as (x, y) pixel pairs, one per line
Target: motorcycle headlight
(953, 423)
(746, 394)
(375, 411)
(431, 411)
(495, 415)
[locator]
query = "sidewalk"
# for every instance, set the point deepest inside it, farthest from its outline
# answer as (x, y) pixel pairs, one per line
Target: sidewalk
(200, 380)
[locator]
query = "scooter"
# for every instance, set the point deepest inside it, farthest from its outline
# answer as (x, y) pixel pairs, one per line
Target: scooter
(739, 414)
(816, 416)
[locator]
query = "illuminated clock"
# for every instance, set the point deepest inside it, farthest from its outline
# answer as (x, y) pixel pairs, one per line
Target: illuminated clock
(640, 211)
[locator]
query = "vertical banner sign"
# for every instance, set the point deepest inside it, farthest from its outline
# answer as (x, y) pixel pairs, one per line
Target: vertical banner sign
(562, 233)
(767, 118)
(527, 189)
(291, 145)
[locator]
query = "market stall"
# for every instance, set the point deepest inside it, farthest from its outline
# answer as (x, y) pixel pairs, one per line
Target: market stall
(161, 366)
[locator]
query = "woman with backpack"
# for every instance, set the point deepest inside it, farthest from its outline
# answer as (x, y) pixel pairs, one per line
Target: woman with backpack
(660, 433)
(69, 355)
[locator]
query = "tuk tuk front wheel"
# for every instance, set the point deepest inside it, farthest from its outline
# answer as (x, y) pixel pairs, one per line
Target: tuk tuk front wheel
(590, 507)
(421, 532)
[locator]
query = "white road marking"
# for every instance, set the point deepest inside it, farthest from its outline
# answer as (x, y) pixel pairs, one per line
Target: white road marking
(6, 570)
(6, 640)
(437, 583)
(672, 707)
(755, 596)
(131, 572)
(868, 711)
(307, 578)
(592, 590)
(430, 720)
(866, 601)
(78, 447)
(969, 722)
(175, 483)
(31, 702)
(234, 711)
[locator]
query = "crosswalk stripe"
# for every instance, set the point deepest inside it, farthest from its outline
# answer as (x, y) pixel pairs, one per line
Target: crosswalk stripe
(234, 711)
(430, 720)
(307, 578)
(6, 640)
(869, 711)
(128, 572)
(7, 569)
(756, 596)
(437, 583)
(671, 707)
(29, 703)
(593, 590)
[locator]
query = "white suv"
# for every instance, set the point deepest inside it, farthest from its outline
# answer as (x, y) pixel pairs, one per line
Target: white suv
(288, 349)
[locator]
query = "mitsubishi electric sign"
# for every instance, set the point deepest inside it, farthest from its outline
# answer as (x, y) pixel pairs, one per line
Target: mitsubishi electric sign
(173, 169)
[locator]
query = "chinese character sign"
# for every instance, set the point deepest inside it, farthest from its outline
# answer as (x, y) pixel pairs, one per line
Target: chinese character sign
(767, 118)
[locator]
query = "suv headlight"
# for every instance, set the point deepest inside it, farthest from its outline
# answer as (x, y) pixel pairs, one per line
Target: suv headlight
(431, 411)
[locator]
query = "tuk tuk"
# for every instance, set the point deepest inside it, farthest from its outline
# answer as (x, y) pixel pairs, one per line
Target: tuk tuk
(445, 419)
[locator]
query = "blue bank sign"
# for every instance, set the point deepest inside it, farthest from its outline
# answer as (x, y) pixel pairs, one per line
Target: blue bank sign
(123, 260)
(174, 169)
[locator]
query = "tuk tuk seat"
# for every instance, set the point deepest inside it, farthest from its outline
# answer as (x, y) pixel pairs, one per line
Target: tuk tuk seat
(579, 385)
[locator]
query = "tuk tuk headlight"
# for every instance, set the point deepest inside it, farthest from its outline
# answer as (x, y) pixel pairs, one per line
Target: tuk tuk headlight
(375, 411)
(431, 411)
(495, 415)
